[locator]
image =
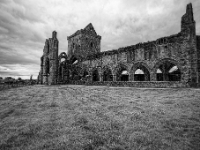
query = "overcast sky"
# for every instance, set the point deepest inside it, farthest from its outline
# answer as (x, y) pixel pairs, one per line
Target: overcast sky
(25, 24)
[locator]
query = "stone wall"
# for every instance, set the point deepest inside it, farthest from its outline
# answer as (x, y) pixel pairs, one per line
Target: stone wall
(49, 61)
(198, 56)
(151, 84)
(84, 42)
(179, 49)
(155, 58)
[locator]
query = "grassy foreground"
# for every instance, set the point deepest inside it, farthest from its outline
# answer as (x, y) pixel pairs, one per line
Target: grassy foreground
(99, 118)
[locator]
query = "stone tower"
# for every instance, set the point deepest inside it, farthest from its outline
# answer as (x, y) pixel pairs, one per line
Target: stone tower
(49, 60)
(82, 43)
(53, 58)
(187, 20)
(188, 28)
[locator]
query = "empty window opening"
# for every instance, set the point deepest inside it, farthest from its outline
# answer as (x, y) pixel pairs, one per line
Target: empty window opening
(95, 75)
(73, 45)
(62, 60)
(47, 65)
(91, 45)
(74, 60)
(122, 75)
(141, 74)
(159, 75)
(75, 75)
(107, 75)
(168, 72)
(85, 74)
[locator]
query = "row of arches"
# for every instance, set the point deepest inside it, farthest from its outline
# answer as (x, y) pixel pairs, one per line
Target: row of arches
(165, 71)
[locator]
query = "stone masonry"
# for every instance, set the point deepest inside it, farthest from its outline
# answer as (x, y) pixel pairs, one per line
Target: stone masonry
(167, 59)
(49, 61)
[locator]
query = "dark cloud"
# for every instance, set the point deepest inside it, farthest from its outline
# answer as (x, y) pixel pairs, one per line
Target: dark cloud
(25, 24)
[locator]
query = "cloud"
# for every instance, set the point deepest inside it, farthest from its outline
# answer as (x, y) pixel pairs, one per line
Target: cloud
(25, 24)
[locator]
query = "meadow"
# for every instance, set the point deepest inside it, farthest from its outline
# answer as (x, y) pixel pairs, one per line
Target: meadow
(75, 117)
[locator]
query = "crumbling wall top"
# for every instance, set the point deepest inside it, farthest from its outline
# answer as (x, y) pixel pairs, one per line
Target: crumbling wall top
(89, 29)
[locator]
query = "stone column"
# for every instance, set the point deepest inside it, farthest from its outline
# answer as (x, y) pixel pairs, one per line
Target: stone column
(152, 76)
(53, 59)
(45, 79)
(114, 78)
(131, 77)
(101, 78)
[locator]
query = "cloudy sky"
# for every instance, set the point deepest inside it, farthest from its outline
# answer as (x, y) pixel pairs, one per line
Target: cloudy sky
(25, 24)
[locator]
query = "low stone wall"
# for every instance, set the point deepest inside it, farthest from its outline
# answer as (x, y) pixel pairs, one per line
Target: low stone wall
(143, 84)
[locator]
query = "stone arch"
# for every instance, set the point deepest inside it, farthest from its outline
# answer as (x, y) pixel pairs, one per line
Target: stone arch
(91, 44)
(84, 71)
(76, 73)
(107, 73)
(122, 72)
(74, 60)
(73, 46)
(84, 74)
(61, 70)
(47, 66)
(143, 72)
(170, 70)
(61, 67)
(95, 74)
(61, 56)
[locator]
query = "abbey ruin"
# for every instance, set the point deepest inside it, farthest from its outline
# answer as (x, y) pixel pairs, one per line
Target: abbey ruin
(172, 61)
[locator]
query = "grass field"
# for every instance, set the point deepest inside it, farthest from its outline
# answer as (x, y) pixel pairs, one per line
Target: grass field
(99, 118)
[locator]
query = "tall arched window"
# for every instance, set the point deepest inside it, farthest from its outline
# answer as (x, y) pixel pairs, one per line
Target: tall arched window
(95, 75)
(168, 71)
(141, 74)
(107, 75)
(47, 66)
(122, 74)
(91, 45)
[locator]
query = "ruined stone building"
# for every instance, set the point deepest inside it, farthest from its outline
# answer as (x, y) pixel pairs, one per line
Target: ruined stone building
(167, 61)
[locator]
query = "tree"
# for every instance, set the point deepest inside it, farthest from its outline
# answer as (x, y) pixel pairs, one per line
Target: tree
(9, 80)
(1, 79)
(19, 79)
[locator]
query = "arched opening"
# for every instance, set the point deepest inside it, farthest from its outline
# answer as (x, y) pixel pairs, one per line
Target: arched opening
(74, 60)
(85, 75)
(60, 72)
(47, 66)
(107, 75)
(159, 75)
(168, 71)
(141, 74)
(122, 74)
(62, 59)
(91, 45)
(95, 75)
(73, 45)
(75, 75)
(174, 74)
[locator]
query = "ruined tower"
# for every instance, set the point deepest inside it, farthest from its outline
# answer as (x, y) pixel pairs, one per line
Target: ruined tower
(82, 43)
(49, 60)
(53, 42)
(188, 28)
